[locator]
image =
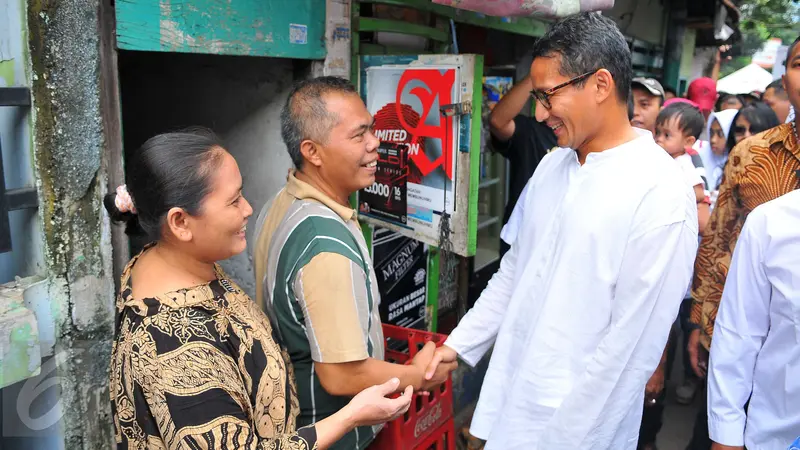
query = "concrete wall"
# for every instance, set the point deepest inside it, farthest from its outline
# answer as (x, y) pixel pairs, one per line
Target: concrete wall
(70, 169)
(264, 162)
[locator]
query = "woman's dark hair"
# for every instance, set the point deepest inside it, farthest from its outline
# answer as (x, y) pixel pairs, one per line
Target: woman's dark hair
(760, 116)
(170, 170)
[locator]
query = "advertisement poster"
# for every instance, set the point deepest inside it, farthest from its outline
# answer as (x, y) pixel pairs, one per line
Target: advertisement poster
(386, 198)
(417, 141)
(401, 268)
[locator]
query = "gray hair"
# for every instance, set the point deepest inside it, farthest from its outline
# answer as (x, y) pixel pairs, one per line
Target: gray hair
(305, 115)
(589, 42)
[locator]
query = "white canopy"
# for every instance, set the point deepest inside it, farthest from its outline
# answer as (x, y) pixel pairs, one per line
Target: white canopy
(745, 80)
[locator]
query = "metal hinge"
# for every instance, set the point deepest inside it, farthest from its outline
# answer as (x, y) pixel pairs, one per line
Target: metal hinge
(456, 109)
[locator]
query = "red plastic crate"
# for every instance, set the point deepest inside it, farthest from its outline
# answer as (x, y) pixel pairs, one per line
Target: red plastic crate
(444, 438)
(427, 415)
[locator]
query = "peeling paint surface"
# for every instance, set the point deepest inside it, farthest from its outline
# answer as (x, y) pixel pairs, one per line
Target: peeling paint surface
(244, 27)
(19, 338)
(337, 40)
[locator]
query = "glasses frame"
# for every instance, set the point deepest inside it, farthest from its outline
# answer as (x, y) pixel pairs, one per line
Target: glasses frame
(543, 97)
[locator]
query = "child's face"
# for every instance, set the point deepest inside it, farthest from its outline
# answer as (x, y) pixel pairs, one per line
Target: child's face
(670, 137)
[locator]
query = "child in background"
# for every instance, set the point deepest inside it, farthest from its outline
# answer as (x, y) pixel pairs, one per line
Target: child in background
(715, 151)
(677, 128)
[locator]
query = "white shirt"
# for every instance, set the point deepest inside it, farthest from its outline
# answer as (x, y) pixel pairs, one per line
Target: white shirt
(580, 309)
(756, 345)
(511, 229)
(691, 175)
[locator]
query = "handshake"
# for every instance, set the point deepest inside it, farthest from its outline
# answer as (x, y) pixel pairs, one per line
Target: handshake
(434, 365)
(372, 406)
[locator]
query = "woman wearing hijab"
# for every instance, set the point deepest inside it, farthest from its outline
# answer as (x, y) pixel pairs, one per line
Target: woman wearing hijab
(715, 151)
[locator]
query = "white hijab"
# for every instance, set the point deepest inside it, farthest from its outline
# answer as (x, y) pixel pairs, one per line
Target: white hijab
(713, 163)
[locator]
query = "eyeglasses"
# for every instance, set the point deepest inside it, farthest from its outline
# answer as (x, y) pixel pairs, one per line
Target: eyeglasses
(543, 97)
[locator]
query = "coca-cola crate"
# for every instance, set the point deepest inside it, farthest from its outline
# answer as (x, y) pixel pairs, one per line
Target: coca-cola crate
(427, 414)
(443, 438)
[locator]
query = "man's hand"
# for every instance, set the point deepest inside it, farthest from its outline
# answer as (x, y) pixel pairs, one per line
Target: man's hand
(423, 359)
(440, 375)
(699, 363)
(715, 446)
(654, 386)
(443, 355)
(722, 49)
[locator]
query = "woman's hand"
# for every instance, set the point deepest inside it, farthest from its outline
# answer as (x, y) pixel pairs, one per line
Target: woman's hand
(372, 407)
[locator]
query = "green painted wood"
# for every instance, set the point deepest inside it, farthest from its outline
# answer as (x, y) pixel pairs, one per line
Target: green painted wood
(277, 28)
(396, 26)
(432, 309)
(517, 25)
(475, 156)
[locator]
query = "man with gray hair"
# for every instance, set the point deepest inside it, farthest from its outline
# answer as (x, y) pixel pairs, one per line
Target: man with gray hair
(581, 307)
(314, 276)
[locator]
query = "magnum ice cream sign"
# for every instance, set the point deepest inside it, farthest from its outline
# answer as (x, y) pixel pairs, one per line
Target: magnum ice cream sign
(401, 269)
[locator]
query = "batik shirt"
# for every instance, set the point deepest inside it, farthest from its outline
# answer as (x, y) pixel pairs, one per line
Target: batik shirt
(199, 368)
(759, 169)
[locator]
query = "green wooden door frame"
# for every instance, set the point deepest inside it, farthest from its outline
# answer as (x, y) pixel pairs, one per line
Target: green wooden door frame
(517, 25)
(522, 26)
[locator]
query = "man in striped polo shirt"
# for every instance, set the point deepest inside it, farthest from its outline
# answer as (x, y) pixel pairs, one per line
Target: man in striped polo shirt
(314, 275)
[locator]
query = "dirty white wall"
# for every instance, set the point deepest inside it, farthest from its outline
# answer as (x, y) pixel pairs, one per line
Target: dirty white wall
(641, 19)
(239, 97)
(256, 143)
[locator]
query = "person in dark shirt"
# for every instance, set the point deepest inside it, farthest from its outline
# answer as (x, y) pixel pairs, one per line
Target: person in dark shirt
(520, 139)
